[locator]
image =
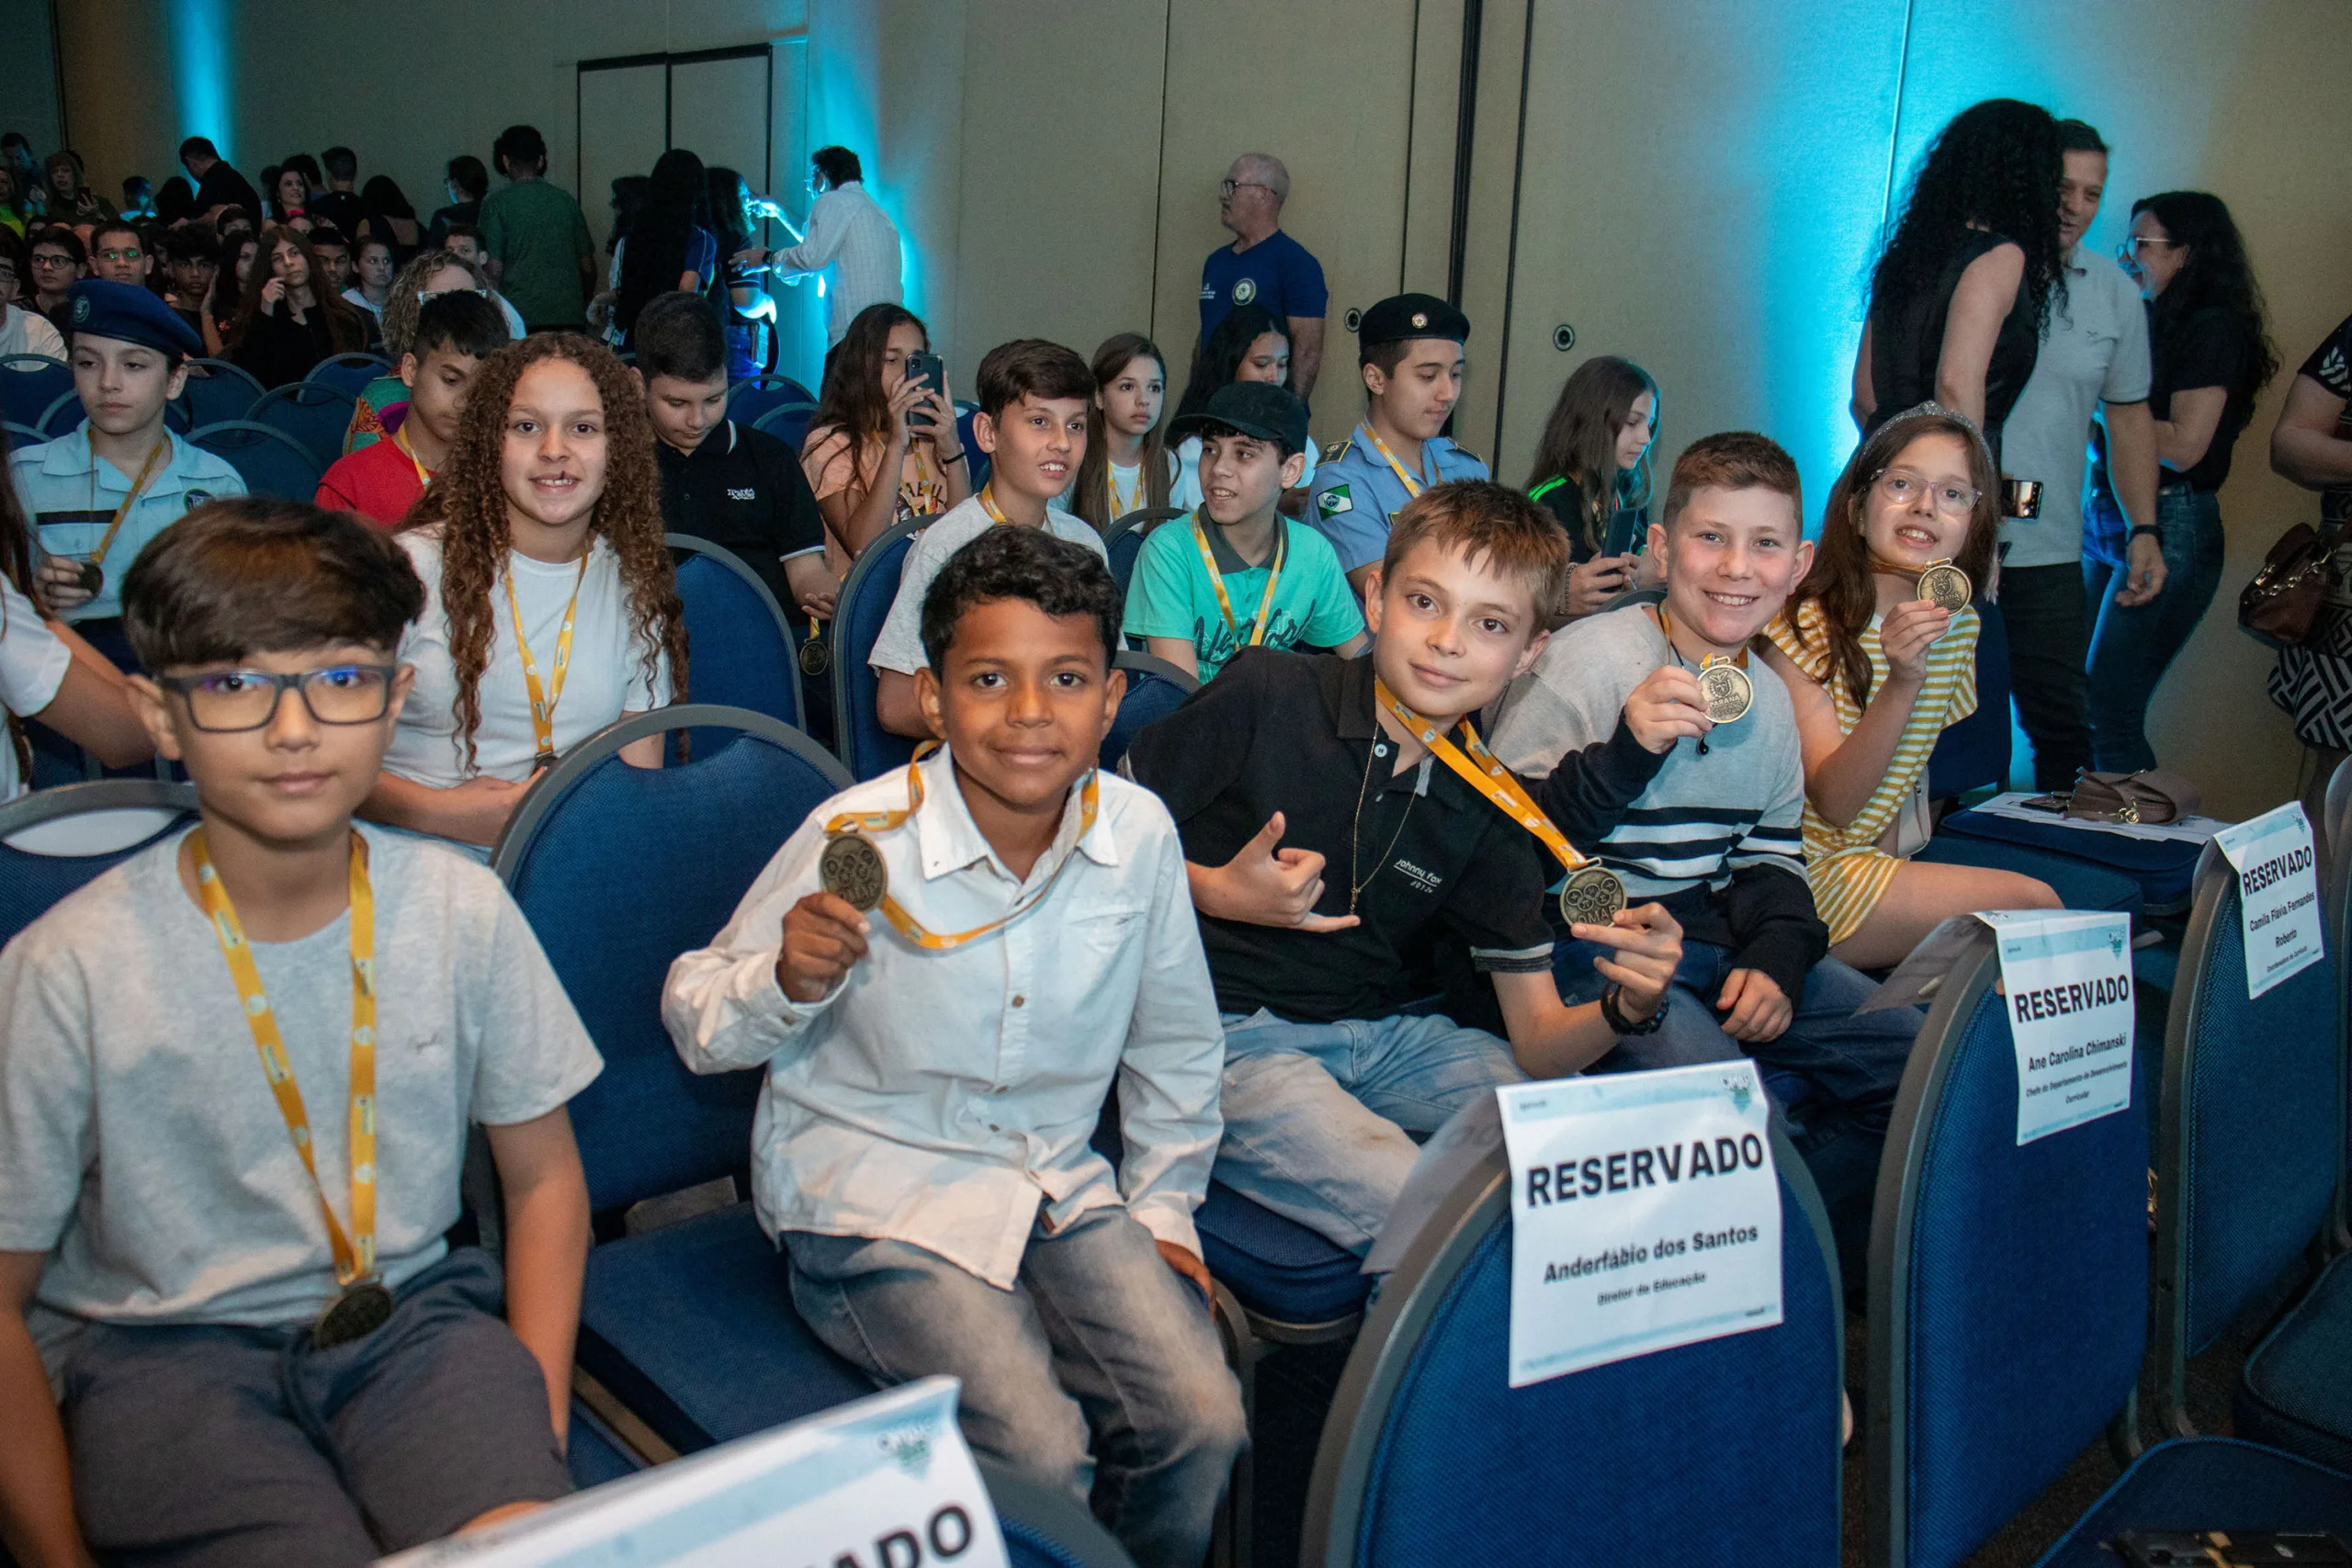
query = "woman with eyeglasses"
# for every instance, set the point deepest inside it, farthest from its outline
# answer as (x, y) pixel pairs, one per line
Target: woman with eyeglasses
(1877, 671)
(1959, 296)
(2211, 355)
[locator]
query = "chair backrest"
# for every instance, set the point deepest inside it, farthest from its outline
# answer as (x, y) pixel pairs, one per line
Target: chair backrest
(2336, 814)
(2008, 1285)
(619, 869)
(1045, 1530)
(315, 413)
(348, 373)
(788, 423)
(753, 396)
(975, 461)
(217, 390)
(1722, 1452)
(20, 434)
(63, 415)
(2250, 1148)
(1122, 540)
(2337, 810)
(1974, 752)
(742, 646)
(31, 385)
(1154, 689)
(862, 606)
(270, 461)
(53, 840)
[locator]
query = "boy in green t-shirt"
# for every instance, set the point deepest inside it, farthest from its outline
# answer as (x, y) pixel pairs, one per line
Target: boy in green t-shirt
(1238, 574)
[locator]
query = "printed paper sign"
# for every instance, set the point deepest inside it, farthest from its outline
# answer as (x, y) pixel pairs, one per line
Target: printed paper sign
(1644, 1214)
(2278, 894)
(884, 1483)
(2067, 979)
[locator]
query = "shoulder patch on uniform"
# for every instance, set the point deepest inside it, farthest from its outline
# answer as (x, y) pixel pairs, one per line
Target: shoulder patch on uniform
(1334, 451)
(1334, 499)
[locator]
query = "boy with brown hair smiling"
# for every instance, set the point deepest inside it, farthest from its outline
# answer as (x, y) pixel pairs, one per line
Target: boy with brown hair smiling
(1372, 769)
(934, 1078)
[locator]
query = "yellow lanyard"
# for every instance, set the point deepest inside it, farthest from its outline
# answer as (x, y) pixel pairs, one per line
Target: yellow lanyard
(1488, 776)
(1089, 803)
(987, 502)
(918, 503)
(1666, 627)
(98, 556)
(543, 699)
(399, 439)
(1119, 507)
(1216, 579)
(355, 1254)
(1412, 485)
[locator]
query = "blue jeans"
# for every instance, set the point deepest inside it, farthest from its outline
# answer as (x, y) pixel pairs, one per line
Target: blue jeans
(2132, 646)
(1099, 1372)
(1850, 1063)
(1317, 1115)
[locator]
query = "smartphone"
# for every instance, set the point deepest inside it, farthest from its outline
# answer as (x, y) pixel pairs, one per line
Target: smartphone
(2054, 803)
(2219, 1548)
(926, 370)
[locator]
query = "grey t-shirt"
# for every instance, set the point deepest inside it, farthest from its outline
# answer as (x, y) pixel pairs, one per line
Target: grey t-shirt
(2095, 350)
(140, 1143)
(899, 645)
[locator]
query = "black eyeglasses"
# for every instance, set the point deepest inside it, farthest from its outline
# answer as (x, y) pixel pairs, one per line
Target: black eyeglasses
(228, 701)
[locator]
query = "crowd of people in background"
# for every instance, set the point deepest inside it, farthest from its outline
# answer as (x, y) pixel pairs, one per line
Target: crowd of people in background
(1732, 714)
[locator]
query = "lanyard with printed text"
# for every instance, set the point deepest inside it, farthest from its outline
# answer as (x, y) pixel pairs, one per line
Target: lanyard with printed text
(544, 696)
(1216, 579)
(1120, 508)
(1090, 801)
(1488, 776)
(355, 1253)
(98, 556)
(399, 439)
(989, 505)
(1412, 485)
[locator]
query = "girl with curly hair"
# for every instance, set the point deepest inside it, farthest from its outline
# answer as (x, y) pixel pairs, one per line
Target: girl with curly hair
(1876, 672)
(1959, 295)
(550, 607)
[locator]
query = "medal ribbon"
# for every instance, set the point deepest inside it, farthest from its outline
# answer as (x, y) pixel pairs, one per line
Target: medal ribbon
(399, 439)
(1110, 482)
(1896, 568)
(1667, 627)
(544, 698)
(1488, 776)
(1089, 803)
(987, 502)
(1412, 485)
(355, 1254)
(98, 556)
(1216, 579)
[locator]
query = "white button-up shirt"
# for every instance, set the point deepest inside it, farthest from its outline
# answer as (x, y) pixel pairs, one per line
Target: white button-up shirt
(938, 1097)
(848, 230)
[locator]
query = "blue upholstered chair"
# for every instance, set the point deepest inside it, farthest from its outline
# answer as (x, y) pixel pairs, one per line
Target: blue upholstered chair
(788, 423)
(53, 840)
(1154, 689)
(1725, 1451)
(30, 384)
(743, 652)
(217, 390)
(976, 460)
(2009, 1301)
(316, 414)
(753, 396)
(1124, 538)
(2084, 866)
(270, 461)
(686, 1326)
(865, 746)
(350, 372)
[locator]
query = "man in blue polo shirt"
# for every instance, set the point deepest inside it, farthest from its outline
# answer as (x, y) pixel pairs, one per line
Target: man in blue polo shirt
(97, 495)
(1408, 351)
(1265, 267)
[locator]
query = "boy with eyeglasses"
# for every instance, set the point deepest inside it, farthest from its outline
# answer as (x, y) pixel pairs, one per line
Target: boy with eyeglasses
(60, 261)
(22, 330)
(249, 1344)
(119, 255)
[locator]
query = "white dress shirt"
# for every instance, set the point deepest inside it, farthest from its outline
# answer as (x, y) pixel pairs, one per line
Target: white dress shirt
(937, 1097)
(848, 230)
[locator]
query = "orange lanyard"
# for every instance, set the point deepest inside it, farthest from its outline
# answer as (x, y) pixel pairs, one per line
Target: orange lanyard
(1666, 627)
(544, 698)
(399, 439)
(1216, 579)
(98, 556)
(1089, 803)
(1488, 776)
(1412, 485)
(355, 1254)
(987, 502)
(1119, 507)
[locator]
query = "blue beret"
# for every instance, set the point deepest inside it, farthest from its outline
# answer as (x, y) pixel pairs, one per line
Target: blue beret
(1404, 316)
(129, 314)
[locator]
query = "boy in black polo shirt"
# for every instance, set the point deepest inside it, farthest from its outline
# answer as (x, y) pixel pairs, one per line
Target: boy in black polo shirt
(1326, 1075)
(739, 488)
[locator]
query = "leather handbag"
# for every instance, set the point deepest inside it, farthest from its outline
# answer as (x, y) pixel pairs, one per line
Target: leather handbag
(2277, 607)
(2154, 797)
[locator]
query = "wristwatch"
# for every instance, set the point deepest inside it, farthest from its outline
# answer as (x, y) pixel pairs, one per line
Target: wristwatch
(1614, 1016)
(2145, 531)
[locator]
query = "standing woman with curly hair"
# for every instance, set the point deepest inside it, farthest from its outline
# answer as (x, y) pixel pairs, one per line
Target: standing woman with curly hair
(550, 607)
(1958, 297)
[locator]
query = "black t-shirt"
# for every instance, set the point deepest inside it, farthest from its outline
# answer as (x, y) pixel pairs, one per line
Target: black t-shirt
(2204, 349)
(1907, 344)
(1627, 528)
(437, 232)
(744, 491)
(223, 187)
(2331, 365)
(341, 208)
(1295, 733)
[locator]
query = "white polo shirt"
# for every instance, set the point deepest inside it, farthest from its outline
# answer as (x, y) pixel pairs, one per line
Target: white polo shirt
(2095, 350)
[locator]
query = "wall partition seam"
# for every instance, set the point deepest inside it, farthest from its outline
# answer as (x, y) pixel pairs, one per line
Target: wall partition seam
(1465, 119)
(1160, 178)
(1412, 104)
(1894, 133)
(1510, 263)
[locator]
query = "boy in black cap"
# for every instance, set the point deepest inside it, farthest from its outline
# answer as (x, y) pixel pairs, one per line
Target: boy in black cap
(1409, 353)
(1238, 574)
(99, 494)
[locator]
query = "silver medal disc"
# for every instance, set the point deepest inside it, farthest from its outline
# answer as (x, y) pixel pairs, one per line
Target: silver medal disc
(851, 869)
(1591, 896)
(1728, 692)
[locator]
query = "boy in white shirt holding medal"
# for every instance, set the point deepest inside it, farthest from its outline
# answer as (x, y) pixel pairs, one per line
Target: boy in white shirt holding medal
(934, 1075)
(235, 1075)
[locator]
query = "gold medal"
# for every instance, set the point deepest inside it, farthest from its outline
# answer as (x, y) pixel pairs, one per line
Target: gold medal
(816, 657)
(851, 869)
(1728, 690)
(362, 1307)
(92, 576)
(1945, 586)
(1591, 896)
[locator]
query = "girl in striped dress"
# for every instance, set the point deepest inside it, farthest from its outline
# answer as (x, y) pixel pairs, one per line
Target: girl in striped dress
(1876, 672)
